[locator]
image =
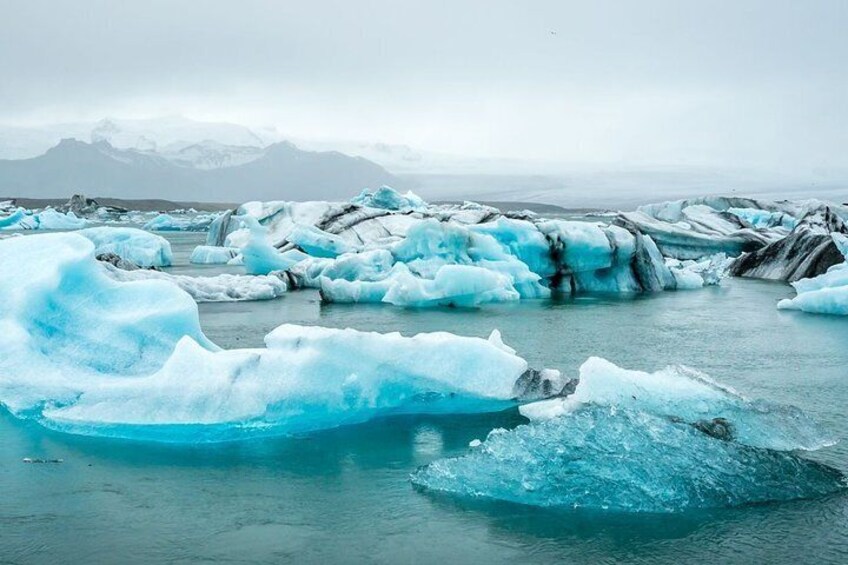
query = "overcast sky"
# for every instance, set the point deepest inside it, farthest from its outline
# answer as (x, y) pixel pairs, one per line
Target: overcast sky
(717, 83)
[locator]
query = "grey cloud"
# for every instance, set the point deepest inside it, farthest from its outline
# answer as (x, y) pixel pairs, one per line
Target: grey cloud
(752, 83)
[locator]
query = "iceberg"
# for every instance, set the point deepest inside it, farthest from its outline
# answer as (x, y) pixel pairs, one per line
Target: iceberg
(764, 218)
(430, 245)
(318, 243)
(333, 246)
(138, 246)
(463, 286)
(629, 441)
(90, 208)
(452, 285)
(213, 255)
(390, 199)
(689, 396)
(167, 222)
(698, 231)
(13, 220)
(691, 274)
(135, 364)
(624, 461)
(437, 264)
(219, 288)
(260, 257)
(826, 293)
(808, 250)
(47, 219)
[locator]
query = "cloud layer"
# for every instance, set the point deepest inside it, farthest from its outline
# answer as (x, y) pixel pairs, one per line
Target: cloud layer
(735, 84)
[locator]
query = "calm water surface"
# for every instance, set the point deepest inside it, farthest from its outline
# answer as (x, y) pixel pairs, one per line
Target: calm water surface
(344, 496)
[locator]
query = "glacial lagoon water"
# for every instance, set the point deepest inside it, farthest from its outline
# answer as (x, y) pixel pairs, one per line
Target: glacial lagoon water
(344, 495)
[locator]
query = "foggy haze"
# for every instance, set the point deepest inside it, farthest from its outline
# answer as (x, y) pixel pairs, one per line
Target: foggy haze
(752, 84)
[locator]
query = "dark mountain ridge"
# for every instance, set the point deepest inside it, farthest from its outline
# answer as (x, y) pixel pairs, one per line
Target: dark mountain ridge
(282, 172)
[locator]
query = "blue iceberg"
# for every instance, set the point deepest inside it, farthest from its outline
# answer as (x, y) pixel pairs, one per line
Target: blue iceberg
(47, 219)
(219, 288)
(134, 363)
(390, 199)
(213, 255)
(167, 222)
(142, 248)
(318, 243)
(826, 293)
(260, 257)
(765, 218)
(332, 246)
(638, 442)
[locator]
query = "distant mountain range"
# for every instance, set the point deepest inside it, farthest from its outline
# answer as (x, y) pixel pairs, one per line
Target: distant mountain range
(173, 135)
(178, 158)
(207, 171)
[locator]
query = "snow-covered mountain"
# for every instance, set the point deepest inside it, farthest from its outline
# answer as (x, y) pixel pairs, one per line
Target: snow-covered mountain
(209, 154)
(209, 145)
(173, 134)
(166, 135)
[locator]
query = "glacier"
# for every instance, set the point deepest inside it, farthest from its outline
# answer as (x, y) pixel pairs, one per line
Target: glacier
(138, 246)
(826, 293)
(629, 441)
(135, 364)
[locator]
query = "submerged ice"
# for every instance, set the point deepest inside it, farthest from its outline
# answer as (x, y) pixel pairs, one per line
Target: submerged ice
(639, 442)
(134, 362)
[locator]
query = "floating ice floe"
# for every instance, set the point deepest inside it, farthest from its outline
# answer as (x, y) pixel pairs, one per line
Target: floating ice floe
(134, 363)
(826, 293)
(259, 257)
(765, 218)
(218, 288)
(693, 229)
(138, 246)
(167, 222)
(212, 255)
(388, 198)
(639, 442)
(48, 219)
(360, 252)
(440, 255)
(690, 274)
(13, 219)
(807, 251)
(319, 243)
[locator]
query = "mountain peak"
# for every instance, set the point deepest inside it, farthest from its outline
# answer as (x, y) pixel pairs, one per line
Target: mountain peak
(199, 172)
